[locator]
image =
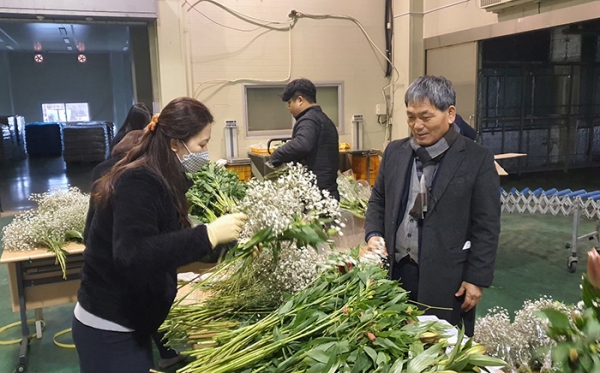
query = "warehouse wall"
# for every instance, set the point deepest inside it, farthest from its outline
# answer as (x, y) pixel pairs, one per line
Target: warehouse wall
(467, 15)
(105, 8)
(458, 63)
(5, 96)
(60, 78)
(452, 29)
(200, 58)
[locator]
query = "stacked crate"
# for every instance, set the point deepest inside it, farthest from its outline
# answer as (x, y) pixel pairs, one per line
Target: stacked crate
(241, 166)
(86, 143)
(359, 167)
(44, 139)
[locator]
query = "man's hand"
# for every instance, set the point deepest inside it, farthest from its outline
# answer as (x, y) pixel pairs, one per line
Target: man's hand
(472, 295)
(376, 244)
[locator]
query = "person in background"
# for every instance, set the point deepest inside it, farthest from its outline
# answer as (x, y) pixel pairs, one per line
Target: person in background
(435, 208)
(315, 140)
(137, 119)
(131, 139)
(137, 237)
(465, 130)
(168, 356)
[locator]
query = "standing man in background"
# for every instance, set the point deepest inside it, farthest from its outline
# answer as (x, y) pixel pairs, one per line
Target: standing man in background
(465, 130)
(435, 207)
(315, 138)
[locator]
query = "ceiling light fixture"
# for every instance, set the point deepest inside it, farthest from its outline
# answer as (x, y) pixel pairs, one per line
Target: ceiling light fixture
(67, 41)
(82, 58)
(70, 48)
(38, 58)
(89, 19)
(9, 47)
(62, 30)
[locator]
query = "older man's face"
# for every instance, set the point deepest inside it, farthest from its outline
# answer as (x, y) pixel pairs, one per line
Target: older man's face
(428, 124)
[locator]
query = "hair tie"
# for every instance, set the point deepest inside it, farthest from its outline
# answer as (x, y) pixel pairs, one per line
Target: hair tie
(153, 123)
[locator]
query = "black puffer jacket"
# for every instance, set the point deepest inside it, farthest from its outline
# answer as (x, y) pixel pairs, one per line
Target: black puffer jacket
(315, 144)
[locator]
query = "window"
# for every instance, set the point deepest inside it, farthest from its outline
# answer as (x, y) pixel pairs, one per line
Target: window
(267, 115)
(69, 112)
(78, 112)
(54, 112)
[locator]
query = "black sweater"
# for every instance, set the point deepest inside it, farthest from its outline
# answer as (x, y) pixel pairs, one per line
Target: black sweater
(315, 143)
(133, 248)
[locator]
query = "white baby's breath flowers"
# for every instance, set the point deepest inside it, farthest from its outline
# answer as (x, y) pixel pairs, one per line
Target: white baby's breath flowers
(295, 269)
(275, 203)
(522, 342)
(59, 211)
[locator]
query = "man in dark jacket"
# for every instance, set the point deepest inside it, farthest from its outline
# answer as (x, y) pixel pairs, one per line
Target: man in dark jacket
(465, 130)
(315, 138)
(435, 207)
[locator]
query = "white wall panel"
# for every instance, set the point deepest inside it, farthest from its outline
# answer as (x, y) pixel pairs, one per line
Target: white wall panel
(209, 41)
(85, 8)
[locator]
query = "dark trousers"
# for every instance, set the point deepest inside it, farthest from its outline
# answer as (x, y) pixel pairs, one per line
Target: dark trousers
(164, 351)
(103, 351)
(407, 272)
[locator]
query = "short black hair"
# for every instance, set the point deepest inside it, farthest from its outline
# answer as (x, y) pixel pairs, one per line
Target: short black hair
(300, 87)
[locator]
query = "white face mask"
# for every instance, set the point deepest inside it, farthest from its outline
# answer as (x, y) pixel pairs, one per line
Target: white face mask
(194, 162)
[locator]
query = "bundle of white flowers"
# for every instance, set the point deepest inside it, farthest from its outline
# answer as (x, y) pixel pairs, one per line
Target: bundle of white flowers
(59, 212)
(60, 217)
(275, 203)
(523, 344)
(294, 269)
(281, 213)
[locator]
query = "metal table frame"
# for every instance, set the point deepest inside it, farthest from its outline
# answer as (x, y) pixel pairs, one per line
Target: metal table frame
(52, 289)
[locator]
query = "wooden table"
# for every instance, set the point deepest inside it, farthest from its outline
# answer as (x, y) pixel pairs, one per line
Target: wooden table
(35, 282)
(500, 169)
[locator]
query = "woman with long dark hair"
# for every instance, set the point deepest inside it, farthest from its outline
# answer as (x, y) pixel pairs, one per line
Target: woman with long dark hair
(139, 234)
(137, 119)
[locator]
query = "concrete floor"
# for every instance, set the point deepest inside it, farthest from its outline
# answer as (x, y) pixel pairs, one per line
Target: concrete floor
(531, 257)
(38, 175)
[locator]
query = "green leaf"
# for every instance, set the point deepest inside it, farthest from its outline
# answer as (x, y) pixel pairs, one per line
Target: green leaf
(286, 308)
(558, 320)
(387, 344)
(424, 360)
(353, 356)
(592, 329)
(277, 336)
(371, 352)
(318, 355)
(485, 361)
(362, 364)
(382, 358)
(74, 235)
(589, 293)
(561, 352)
(317, 368)
(586, 362)
(397, 366)
(596, 362)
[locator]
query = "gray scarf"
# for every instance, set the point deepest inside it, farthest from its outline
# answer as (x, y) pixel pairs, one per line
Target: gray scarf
(429, 157)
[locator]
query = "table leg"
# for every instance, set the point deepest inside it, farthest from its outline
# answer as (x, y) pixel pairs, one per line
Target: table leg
(22, 366)
(369, 168)
(39, 318)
